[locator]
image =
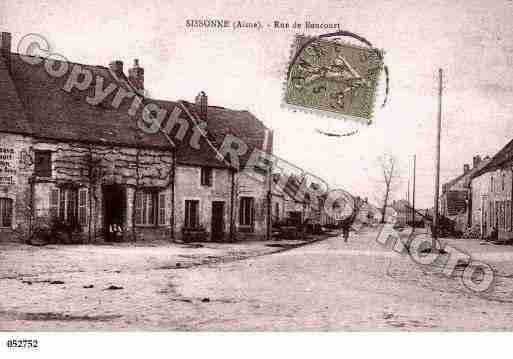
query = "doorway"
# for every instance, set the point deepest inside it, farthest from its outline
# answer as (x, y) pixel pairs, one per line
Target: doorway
(484, 216)
(114, 210)
(217, 220)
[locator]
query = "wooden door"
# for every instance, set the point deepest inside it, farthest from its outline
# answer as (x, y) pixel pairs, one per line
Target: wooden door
(217, 220)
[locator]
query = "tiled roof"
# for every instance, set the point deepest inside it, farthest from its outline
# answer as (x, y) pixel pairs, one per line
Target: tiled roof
(12, 118)
(221, 122)
(35, 103)
(467, 176)
(504, 155)
(57, 114)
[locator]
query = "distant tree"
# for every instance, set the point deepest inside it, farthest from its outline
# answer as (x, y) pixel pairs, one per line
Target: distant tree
(389, 169)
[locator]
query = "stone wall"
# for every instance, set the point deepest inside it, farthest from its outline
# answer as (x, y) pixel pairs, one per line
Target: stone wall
(252, 185)
(90, 167)
(15, 169)
(188, 187)
(81, 166)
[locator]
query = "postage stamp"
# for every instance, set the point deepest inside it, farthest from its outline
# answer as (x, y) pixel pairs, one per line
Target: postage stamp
(333, 78)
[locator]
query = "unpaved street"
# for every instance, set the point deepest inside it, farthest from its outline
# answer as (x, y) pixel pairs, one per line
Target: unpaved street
(328, 285)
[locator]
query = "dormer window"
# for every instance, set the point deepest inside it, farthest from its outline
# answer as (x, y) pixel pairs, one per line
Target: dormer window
(43, 163)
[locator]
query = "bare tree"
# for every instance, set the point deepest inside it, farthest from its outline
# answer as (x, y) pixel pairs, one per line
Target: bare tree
(389, 168)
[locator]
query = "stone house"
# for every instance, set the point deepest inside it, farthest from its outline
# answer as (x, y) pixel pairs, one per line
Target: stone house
(368, 213)
(83, 156)
(455, 200)
(492, 190)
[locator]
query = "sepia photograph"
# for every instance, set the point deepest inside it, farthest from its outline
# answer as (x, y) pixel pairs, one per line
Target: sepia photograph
(175, 169)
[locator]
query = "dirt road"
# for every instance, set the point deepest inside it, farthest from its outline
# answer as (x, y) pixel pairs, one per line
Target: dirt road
(329, 285)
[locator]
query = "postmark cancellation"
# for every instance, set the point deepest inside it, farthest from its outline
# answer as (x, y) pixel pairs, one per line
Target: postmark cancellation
(333, 78)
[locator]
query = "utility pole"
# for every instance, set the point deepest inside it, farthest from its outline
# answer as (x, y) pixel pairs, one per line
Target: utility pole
(437, 174)
(408, 198)
(414, 170)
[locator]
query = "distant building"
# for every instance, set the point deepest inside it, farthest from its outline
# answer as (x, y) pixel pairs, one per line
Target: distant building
(455, 200)
(368, 213)
(491, 188)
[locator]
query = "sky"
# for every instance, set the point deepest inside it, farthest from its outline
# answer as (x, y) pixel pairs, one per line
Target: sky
(472, 41)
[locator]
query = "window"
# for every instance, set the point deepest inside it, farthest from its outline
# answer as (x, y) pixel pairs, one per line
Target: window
(508, 215)
(503, 180)
(246, 211)
(82, 206)
(162, 209)
(191, 214)
(501, 214)
(43, 164)
(206, 176)
(5, 212)
(54, 203)
(150, 208)
(69, 204)
(491, 184)
(277, 211)
(490, 214)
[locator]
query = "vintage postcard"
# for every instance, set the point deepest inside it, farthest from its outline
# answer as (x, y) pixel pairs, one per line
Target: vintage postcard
(253, 166)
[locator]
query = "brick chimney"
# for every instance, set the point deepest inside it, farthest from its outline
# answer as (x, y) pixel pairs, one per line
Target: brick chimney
(136, 76)
(5, 48)
(476, 160)
(117, 67)
(466, 168)
(202, 103)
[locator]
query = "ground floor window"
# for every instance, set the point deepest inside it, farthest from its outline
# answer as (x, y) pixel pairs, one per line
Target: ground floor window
(150, 207)
(508, 215)
(69, 204)
(5, 212)
(191, 214)
(246, 211)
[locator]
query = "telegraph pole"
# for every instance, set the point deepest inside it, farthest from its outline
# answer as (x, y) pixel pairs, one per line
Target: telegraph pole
(408, 193)
(408, 198)
(414, 170)
(437, 174)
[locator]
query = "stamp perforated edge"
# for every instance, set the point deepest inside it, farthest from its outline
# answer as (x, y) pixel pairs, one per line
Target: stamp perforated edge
(322, 112)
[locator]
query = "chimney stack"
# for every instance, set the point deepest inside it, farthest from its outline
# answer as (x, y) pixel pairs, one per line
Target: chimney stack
(5, 48)
(202, 103)
(117, 67)
(466, 168)
(136, 76)
(476, 160)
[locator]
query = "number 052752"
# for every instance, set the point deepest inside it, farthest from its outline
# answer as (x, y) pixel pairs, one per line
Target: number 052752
(23, 343)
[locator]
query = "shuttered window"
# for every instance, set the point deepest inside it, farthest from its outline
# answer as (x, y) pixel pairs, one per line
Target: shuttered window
(191, 214)
(206, 176)
(162, 209)
(5, 212)
(69, 204)
(54, 203)
(246, 211)
(82, 206)
(138, 207)
(150, 208)
(508, 216)
(62, 204)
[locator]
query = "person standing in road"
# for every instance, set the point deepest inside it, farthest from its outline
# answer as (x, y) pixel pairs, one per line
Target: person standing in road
(346, 226)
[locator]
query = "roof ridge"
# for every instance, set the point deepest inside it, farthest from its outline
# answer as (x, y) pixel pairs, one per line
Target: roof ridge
(68, 61)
